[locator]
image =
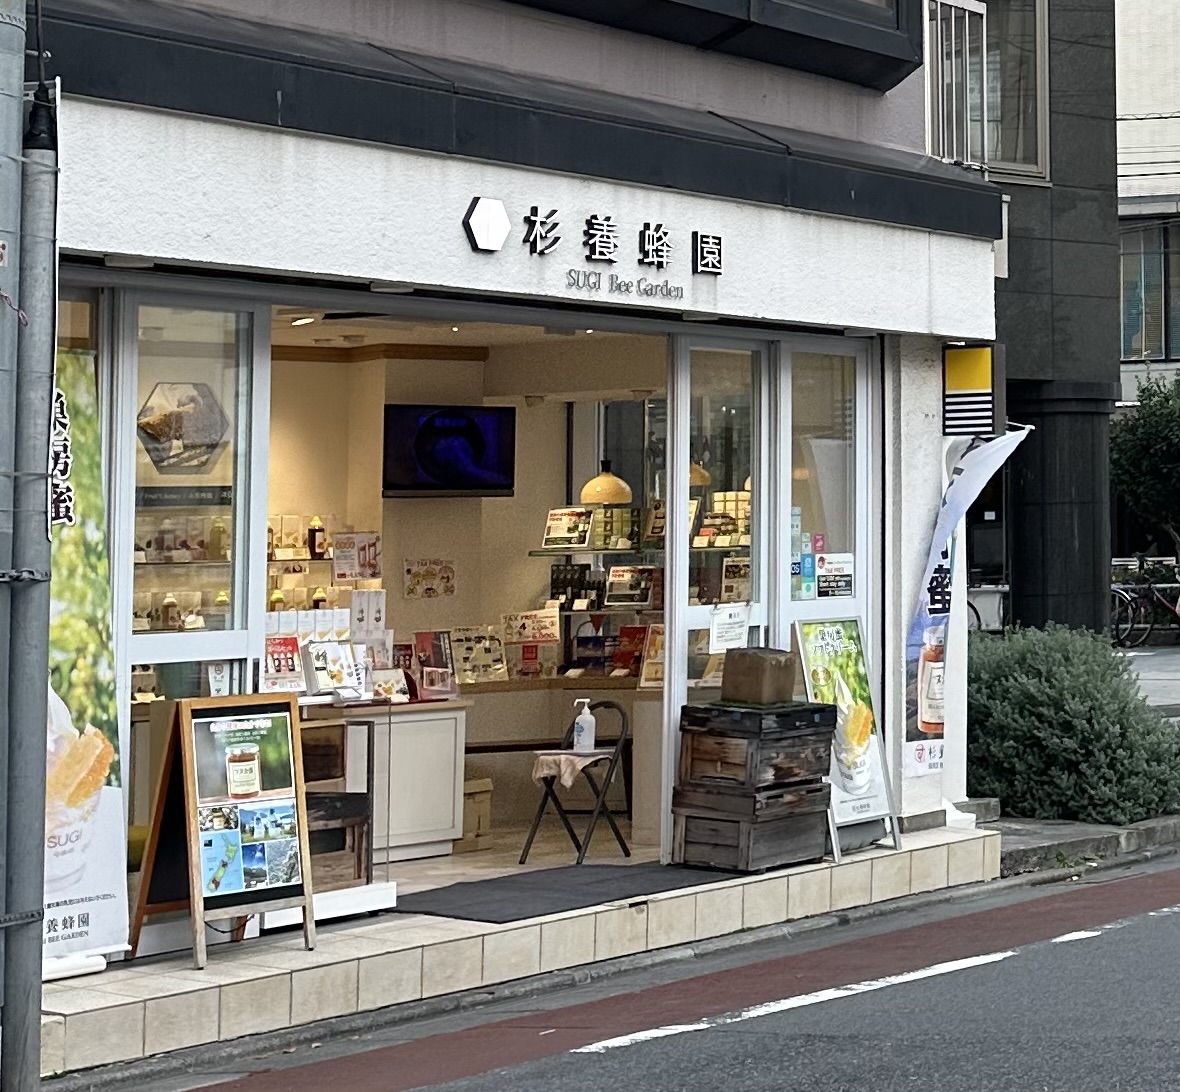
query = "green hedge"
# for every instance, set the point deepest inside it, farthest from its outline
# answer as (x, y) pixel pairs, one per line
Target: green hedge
(1057, 729)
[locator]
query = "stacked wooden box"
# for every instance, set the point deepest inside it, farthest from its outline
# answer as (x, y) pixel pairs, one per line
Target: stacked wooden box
(751, 794)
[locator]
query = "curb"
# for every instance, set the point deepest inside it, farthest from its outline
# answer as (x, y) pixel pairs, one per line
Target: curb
(1118, 842)
(132, 1074)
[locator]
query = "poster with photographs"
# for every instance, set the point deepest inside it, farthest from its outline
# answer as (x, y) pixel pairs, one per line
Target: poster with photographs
(735, 580)
(428, 577)
(435, 667)
(246, 814)
(568, 529)
(356, 556)
(630, 586)
(651, 671)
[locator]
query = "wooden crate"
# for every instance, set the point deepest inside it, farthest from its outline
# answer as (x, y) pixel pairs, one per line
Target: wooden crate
(714, 758)
(761, 722)
(750, 831)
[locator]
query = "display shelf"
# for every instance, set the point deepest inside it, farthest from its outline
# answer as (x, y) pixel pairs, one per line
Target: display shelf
(562, 552)
(629, 611)
(204, 563)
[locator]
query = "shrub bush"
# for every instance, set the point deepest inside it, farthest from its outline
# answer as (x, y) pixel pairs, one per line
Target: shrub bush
(1057, 729)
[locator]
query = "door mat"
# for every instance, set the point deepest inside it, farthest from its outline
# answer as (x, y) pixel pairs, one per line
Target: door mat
(533, 894)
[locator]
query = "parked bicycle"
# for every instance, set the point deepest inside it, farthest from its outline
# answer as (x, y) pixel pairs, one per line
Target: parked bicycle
(1136, 607)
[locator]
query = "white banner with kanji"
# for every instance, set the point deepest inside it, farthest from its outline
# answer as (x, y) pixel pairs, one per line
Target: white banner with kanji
(926, 645)
(85, 824)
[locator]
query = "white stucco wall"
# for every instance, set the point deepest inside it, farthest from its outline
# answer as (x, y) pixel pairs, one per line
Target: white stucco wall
(183, 189)
(914, 483)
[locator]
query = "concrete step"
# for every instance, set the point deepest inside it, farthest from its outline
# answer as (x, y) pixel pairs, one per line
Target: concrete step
(1030, 845)
(986, 809)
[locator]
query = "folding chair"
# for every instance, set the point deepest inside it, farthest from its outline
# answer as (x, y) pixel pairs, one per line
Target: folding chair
(613, 758)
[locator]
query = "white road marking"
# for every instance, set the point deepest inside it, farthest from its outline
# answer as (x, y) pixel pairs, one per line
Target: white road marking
(835, 993)
(788, 1003)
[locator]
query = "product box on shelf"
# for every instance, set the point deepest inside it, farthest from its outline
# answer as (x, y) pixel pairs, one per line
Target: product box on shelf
(305, 626)
(341, 624)
(325, 625)
(332, 667)
(283, 666)
(288, 623)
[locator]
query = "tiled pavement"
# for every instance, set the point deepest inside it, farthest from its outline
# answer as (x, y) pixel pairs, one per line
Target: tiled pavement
(152, 1007)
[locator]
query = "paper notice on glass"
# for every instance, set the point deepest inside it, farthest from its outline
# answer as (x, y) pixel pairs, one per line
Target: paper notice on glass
(729, 627)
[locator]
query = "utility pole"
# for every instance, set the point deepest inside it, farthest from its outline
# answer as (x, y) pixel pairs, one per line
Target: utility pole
(28, 678)
(12, 75)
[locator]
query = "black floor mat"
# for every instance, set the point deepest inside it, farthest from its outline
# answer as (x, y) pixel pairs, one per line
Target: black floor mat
(552, 891)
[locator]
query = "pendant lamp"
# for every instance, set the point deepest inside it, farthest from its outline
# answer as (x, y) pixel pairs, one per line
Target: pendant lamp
(606, 488)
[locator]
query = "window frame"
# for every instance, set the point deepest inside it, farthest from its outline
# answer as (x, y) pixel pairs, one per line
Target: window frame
(1039, 170)
(936, 112)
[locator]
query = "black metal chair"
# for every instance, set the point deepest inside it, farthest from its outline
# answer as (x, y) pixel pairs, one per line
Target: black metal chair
(613, 757)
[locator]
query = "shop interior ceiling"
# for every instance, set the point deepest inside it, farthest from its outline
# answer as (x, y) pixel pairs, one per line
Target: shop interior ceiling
(339, 329)
(574, 352)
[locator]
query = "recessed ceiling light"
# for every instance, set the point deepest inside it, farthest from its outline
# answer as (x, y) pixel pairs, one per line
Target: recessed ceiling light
(589, 331)
(303, 320)
(454, 329)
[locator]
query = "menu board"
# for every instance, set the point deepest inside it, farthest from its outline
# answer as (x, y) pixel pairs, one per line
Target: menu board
(231, 806)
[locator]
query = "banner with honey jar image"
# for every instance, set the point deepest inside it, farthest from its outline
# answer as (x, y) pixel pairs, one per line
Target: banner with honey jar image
(832, 657)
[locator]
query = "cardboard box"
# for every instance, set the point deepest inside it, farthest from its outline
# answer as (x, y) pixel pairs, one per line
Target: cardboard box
(477, 816)
(758, 676)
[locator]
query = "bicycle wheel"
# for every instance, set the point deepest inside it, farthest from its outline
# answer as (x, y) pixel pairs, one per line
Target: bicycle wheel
(1142, 619)
(1121, 616)
(973, 619)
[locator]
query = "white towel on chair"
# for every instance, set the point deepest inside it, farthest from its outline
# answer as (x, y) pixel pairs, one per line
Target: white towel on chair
(565, 765)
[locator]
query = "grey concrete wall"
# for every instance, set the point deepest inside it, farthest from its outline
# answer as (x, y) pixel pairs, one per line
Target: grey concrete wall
(1058, 311)
(517, 39)
(1058, 315)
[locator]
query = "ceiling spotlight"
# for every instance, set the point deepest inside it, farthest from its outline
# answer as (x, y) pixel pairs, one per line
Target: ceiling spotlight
(303, 320)
(454, 329)
(589, 331)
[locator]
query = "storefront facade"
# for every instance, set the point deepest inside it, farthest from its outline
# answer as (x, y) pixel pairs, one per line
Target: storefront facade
(803, 284)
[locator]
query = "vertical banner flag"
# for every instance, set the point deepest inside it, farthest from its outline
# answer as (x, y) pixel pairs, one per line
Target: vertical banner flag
(926, 644)
(85, 830)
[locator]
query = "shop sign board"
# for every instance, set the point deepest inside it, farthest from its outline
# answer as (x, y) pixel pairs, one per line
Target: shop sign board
(229, 830)
(926, 645)
(615, 257)
(85, 828)
(832, 657)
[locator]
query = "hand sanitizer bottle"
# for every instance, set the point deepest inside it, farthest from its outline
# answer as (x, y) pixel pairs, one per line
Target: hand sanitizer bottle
(583, 728)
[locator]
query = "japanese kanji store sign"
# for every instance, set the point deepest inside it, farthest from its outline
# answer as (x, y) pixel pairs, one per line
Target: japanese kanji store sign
(612, 257)
(926, 645)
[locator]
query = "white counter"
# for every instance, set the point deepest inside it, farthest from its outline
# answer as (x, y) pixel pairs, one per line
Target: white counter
(418, 752)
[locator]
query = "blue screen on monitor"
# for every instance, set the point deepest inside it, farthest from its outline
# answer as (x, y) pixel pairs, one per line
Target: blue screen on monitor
(449, 451)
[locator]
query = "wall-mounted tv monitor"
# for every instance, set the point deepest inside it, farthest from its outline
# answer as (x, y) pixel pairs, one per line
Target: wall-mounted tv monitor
(449, 451)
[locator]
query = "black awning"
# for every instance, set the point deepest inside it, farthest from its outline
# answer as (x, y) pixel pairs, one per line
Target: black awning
(147, 53)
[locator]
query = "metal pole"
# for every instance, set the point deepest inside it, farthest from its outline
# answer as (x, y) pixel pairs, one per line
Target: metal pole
(20, 1045)
(12, 74)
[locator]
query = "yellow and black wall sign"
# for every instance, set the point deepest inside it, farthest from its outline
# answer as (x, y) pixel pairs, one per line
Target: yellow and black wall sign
(972, 390)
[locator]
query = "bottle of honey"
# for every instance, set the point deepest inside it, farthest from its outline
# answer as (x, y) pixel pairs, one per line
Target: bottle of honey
(931, 681)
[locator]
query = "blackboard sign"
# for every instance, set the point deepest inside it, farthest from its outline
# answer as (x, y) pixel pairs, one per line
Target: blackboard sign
(229, 829)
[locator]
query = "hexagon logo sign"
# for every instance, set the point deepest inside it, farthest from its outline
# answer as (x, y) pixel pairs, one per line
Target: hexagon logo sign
(182, 427)
(487, 224)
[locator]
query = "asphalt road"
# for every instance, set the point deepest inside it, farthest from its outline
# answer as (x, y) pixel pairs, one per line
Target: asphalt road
(1049, 989)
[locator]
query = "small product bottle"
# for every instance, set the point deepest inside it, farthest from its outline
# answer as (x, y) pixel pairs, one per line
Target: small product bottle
(584, 726)
(317, 539)
(277, 601)
(931, 679)
(319, 599)
(166, 536)
(169, 612)
(215, 544)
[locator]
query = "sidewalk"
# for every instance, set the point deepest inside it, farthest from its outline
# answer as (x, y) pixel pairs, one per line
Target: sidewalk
(152, 1007)
(1159, 676)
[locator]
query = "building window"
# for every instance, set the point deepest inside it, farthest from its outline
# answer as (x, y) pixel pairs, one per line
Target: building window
(987, 83)
(1017, 100)
(954, 43)
(1151, 290)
